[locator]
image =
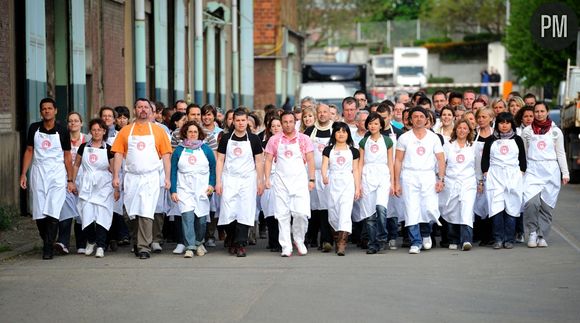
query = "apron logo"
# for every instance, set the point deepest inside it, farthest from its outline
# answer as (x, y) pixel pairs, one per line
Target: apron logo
(237, 151)
(541, 145)
(320, 147)
(374, 148)
(504, 149)
(192, 160)
(46, 144)
(341, 160)
(460, 158)
(420, 151)
(141, 145)
(288, 153)
(93, 158)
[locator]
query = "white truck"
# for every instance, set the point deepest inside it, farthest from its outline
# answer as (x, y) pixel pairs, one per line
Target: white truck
(570, 120)
(382, 69)
(410, 66)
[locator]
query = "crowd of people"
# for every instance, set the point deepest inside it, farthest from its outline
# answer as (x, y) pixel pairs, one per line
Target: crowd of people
(453, 167)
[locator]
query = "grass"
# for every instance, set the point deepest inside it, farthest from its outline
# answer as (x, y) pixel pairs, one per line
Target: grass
(4, 248)
(8, 214)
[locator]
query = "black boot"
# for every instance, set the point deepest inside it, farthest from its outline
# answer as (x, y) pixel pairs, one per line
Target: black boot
(51, 230)
(41, 225)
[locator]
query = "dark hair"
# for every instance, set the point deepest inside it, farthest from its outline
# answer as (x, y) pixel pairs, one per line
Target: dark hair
(144, 100)
(176, 116)
(417, 109)
(191, 106)
(167, 112)
(337, 126)
(159, 106)
(360, 92)
(384, 107)
(348, 100)
(257, 121)
(47, 100)
(286, 113)
(123, 111)
(455, 95)
(74, 112)
(241, 111)
(520, 114)
(178, 102)
(541, 103)
(208, 108)
(423, 101)
(529, 95)
(469, 135)
(183, 130)
(418, 95)
(105, 108)
(101, 124)
(514, 93)
(372, 117)
(438, 92)
(447, 107)
(504, 117)
(267, 132)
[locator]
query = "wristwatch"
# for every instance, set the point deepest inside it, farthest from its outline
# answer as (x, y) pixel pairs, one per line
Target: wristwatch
(442, 179)
(311, 180)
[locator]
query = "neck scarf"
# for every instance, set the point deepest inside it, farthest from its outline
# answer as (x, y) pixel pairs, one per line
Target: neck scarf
(191, 144)
(541, 127)
(504, 135)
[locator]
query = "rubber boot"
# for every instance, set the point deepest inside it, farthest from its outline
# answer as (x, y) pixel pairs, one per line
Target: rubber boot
(341, 243)
(51, 230)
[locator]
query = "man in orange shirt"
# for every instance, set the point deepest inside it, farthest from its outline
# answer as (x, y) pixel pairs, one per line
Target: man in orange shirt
(142, 145)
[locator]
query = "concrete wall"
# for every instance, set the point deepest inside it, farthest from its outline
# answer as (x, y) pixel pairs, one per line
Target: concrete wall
(461, 71)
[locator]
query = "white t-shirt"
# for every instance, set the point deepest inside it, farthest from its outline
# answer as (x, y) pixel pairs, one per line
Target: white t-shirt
(419, 153)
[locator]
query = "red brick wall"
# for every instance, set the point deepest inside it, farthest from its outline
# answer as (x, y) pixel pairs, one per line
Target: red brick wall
(113, 61)
(266, 24)
(264, 82)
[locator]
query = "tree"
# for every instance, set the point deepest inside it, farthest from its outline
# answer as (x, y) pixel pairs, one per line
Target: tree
(321, 20)
(383, 10)
(536, 65)
(465, 15)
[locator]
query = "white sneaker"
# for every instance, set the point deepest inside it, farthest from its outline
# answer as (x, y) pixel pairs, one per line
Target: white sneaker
(210, 243)
(542, 243)
(392, 244)
(466, 246)
(179, 249)
(427, 244)
(89, 249)
(100, 253)
(286, 253)
(533, 240)
(188, 254)
(81, 251)
(156, 247)
(452, 246)
(301, 248)
(200, 251)
(414, 250)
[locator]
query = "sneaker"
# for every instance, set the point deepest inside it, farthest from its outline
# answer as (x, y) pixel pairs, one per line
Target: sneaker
(60, 248)
(241, 252)
(427, 243)
(210, 243)
(114, 245)
(414, 250)
(286, 252)
(326, 247)
(392, 244)
(301, 248)
(508, 245)
(179, 249)
(89, 249)
(466, 246)
(533, 240)
(520, 238)
(156, 247)
(81, 251)
(100, 253)
(200, 251)
(542, 243)
(144, 255)
(452, 246)
(188, 254)
(497, 245)
(371, 251)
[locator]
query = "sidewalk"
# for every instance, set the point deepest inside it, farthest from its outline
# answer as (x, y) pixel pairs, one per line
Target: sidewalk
(21, 239)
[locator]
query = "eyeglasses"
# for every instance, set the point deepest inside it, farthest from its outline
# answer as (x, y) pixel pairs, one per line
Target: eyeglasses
(74, 121)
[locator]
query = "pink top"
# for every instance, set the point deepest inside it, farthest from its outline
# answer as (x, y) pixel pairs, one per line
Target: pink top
(303, 141)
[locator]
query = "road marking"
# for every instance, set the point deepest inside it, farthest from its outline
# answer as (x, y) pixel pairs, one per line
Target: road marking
(566, 236)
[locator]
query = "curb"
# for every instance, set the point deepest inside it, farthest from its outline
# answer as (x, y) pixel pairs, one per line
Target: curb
(17, 251)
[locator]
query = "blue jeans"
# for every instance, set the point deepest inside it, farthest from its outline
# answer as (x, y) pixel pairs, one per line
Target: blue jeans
(377, 228)
(503, 227)
(419, 231)
(459, 233)
(64, 229)
(193, 229)
(392, 228)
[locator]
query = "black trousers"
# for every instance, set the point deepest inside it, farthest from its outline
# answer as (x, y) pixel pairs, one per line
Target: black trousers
(47, 229)
(239, 232)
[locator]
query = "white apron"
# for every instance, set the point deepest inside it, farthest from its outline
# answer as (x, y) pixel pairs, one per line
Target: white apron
(141, 182)
(480, 207)
(69, 209)
(290, 182)
(396, 207)
(376, 178)
(164, 199)
(543, 172)
(267, 198)
(504, 184)
(95, 188)
(192, 182)
(341, 190)
(47, 176)
(457, 199)
(319, 195)
(239, 182)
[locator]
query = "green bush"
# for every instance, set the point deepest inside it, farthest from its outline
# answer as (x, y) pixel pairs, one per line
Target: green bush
(481, 37)
(8, 213)
(442, 79)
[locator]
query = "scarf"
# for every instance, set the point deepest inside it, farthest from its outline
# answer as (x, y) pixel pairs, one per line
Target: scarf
(191, 144)
(318, 127)
(504, 135)
(541, 127)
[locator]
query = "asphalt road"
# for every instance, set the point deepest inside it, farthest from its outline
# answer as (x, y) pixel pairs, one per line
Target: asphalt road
(440, 285)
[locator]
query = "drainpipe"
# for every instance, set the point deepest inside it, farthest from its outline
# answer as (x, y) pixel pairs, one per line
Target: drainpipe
(247, 53)
(235, 57)
(198, 54)
(223, 67)
(210, 75)
(140, 67)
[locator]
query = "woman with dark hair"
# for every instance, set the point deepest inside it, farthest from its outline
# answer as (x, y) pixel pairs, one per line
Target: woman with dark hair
(340, 171)
(376, 163)
(447, 115)
(177, 120)
(95, 190)
(503, 162)
(523, 118)
(547, 171)
(123, 117)
(192, 183)
(458, 197)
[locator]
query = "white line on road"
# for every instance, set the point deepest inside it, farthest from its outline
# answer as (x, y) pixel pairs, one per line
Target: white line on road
(566, 236)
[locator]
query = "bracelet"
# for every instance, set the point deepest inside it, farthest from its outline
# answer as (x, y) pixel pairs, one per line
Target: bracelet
(311, 180)
(69, 180)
